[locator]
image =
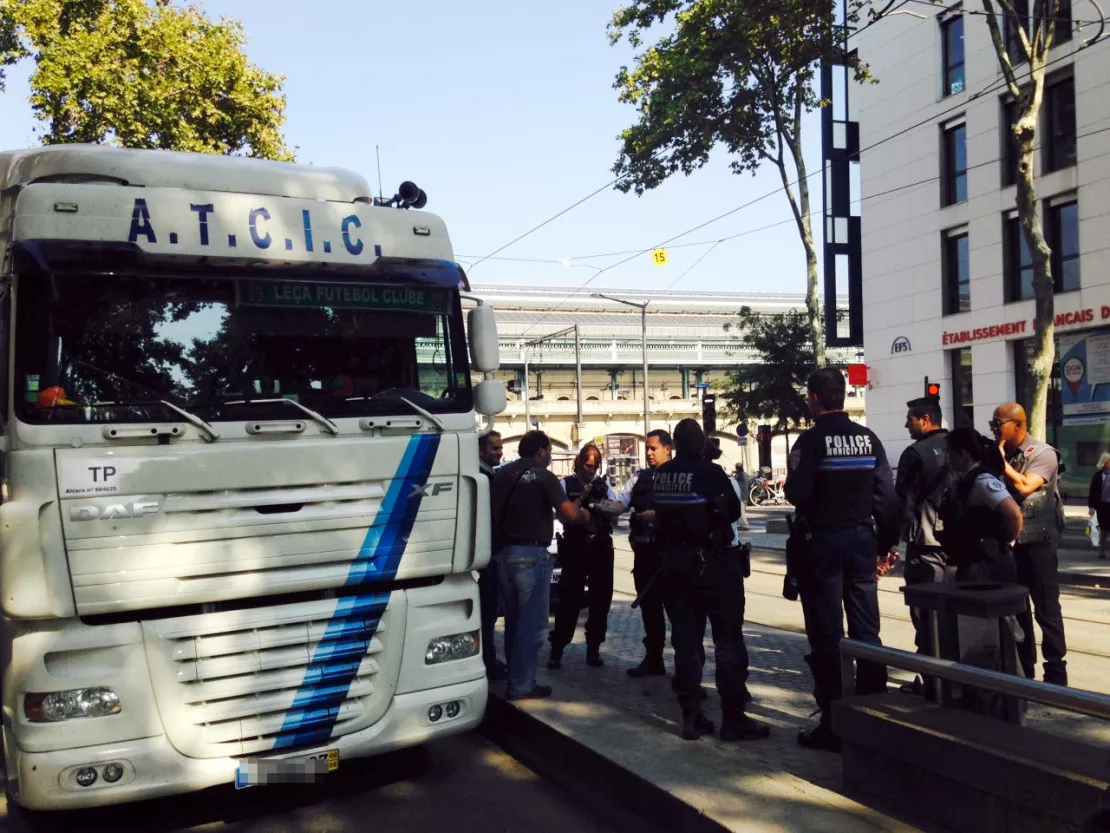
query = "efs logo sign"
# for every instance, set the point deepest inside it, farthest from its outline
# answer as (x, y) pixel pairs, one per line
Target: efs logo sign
(900, 345)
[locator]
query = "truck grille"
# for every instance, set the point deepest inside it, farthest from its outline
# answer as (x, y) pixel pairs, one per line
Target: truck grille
(268, 679)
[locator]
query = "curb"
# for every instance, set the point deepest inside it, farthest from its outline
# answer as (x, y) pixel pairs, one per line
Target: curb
(590, 776)
(1064, 578)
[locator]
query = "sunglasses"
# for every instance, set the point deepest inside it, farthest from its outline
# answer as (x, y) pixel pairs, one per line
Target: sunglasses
(995, 424)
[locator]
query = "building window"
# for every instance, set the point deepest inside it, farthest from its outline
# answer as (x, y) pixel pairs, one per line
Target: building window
(1063, 22)
(1009, 151)
(957, 275)
(1059, 141)
(1017, 262)
(955, 165)
(1013, 41)
(963, 408)
(952, 33)
(1063, 238)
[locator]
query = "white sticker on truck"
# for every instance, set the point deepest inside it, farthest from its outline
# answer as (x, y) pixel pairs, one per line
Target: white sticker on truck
(93, 476)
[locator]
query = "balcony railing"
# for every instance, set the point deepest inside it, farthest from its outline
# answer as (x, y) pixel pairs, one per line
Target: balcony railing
(632, 408)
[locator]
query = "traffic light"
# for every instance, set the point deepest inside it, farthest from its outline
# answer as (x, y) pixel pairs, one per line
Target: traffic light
(932, 388)
(709, 413)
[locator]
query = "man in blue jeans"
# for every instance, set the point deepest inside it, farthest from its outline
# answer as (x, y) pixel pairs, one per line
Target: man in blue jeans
(525, 496)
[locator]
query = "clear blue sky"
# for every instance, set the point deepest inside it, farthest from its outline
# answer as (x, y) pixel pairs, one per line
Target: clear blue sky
(504, 113)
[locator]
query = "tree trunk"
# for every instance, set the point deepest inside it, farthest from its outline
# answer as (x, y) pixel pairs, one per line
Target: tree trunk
(800, 207)
(813, 308)
(1035, 43)
(1043, 290)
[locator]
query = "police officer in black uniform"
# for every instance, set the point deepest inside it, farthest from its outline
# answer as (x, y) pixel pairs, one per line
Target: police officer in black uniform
(923, 480)
(695, 506)
(839, 480)
(586, 556)
(646, 557)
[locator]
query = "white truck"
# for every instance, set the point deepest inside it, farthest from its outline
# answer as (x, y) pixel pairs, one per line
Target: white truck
(241, 503)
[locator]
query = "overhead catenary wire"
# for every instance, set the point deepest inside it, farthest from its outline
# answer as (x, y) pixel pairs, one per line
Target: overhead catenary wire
(714, 243)
(961, 105)
(957, 12)
(606, 186)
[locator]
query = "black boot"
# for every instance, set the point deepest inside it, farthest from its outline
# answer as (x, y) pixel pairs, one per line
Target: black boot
(593, 656)
(555, 660)
(696, 724)
(742, 727)
(819, 737)
(1056, 672)
(652, 666)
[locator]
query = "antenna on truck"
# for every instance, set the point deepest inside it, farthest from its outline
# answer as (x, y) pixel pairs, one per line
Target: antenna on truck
(377, 153)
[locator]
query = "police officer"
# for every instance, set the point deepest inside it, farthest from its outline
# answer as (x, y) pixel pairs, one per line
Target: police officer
(922, 482)
(695, 507)
(645, 551)
(839, 480)
(1031, 474)
(586, 556)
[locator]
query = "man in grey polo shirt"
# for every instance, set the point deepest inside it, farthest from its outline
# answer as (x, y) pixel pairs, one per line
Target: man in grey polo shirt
(525, 496)
(1031, 475)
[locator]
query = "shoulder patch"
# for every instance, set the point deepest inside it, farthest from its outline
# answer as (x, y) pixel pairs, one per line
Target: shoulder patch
(795, 457)
(995, 485)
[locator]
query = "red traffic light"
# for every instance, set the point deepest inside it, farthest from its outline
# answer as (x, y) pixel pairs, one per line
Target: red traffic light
(932, 389)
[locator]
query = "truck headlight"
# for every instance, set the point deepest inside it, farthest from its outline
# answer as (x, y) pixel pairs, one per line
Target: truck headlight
(53, 706)
(456, 646)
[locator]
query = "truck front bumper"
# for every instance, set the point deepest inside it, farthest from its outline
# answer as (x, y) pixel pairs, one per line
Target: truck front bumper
(153, 768)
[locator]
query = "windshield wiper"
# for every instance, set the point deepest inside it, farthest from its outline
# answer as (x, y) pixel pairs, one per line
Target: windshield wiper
(317, 417)
(210, 433)
(394, 394)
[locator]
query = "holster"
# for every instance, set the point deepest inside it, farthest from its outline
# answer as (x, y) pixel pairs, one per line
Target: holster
(743, 556)
(797, 544)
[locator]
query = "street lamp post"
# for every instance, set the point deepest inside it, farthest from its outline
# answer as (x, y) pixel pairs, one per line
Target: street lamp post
(643, 349)
(577, 369)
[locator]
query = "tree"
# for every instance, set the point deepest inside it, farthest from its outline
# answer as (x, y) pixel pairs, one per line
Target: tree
(736, 73)
(1031, 40)
(143, 75)
(772, 387)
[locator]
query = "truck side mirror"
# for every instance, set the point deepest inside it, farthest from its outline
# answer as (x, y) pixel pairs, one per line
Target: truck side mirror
(484, 351)
(489, 397)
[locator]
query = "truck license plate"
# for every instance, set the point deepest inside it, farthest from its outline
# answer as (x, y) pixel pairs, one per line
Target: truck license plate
(301, 769)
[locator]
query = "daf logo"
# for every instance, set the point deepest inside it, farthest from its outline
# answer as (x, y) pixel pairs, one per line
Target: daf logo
(113, 511)
(436, 488)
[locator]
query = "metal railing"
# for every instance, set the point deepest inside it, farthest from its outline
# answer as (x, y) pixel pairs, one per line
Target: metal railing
(1069, 699)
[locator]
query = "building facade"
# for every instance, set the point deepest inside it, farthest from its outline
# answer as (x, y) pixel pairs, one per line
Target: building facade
(691, 347)
(947, 279)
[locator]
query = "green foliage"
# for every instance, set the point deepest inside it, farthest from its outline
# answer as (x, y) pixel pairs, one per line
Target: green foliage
(732, 72)
(736, 73)
(773, 387)
(143, 75)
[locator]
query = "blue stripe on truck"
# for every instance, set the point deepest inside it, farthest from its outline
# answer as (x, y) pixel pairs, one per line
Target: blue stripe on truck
(337, 657)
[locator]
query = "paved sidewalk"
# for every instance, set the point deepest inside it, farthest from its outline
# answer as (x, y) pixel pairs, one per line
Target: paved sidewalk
(770, 785)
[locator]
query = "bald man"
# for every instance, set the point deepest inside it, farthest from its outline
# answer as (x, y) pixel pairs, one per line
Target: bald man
(1031, 471)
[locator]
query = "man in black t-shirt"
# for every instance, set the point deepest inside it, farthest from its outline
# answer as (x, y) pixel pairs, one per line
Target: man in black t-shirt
(525, 495)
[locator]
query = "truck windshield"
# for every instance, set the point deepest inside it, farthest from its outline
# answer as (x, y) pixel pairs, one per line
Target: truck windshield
(110, 347)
